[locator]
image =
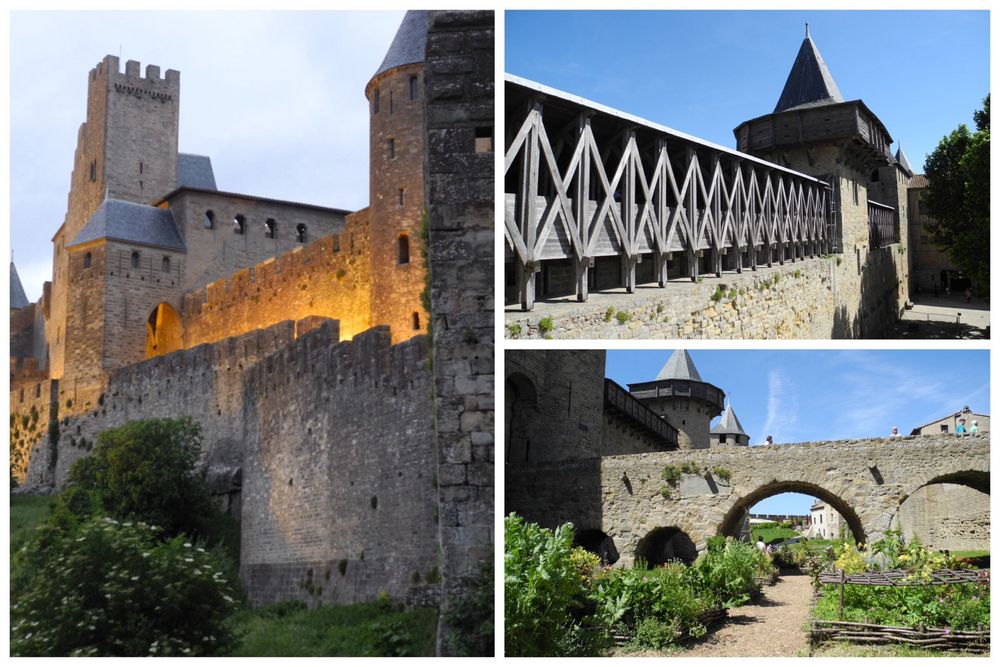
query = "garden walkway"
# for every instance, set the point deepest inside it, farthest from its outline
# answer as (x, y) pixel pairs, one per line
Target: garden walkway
(774, 625)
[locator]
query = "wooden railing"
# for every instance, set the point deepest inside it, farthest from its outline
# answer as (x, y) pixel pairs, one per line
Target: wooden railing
(617, 398)
(583, 181)
(883, 225)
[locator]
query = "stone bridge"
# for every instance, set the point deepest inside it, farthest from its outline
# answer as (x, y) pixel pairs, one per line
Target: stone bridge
(866, 481)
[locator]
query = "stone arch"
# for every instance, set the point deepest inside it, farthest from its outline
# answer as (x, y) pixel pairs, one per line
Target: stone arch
(664, 544)
(932, 511)
(520, 395)
(164, 331)
(731, 523)
(598, 542)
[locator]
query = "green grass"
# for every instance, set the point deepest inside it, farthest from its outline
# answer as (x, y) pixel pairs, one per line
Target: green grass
(287, 629)
(26, 512)
(976, 553)
(772, 534)
(847, 649)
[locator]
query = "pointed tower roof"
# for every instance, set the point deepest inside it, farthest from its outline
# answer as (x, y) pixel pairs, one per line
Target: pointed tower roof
(408, 45)
(810, 83)
(18, 299)
(903, 162)
(679, 367)
(729, 424)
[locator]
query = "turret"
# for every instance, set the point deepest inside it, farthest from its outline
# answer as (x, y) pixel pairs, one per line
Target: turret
(680, 396)
(729, 431)
(396, 105)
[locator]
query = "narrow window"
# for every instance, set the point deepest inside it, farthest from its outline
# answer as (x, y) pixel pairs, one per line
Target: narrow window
(270, 228)
(391, 105)
(392, 149)
(375, 101)
(401, 196)
(416, 321)
(140, 167)
(165, 264)
(300, 233)
(413, 87)
(944, 428)
(238, 222)
(93, 170)
(38, 391)
(209, 220)
(403, 249)
(86, 261)
(484, 139)
(135, 259)
(855, 183)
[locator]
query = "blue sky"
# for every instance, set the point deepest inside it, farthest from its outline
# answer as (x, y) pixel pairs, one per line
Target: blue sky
(704, 72)
(810, 395)
(275, 98)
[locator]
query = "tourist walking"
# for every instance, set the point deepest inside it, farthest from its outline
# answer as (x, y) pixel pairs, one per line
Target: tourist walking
(975, 426)
(961, 426)
(895, 433)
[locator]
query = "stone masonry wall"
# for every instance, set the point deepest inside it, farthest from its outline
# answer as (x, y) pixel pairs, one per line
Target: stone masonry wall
(31, 404)
(458, 85)
(947, 516)
(866, 481)
(339, 472)
(205, 383)
(330, 277)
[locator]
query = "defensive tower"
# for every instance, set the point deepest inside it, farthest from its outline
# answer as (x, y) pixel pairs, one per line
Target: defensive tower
(396, 103)
(680, 396)
(729, 430)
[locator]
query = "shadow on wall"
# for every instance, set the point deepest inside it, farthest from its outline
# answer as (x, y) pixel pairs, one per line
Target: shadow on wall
(879, 311)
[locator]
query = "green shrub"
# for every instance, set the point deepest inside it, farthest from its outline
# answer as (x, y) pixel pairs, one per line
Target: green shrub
(542, 591)
(659, 308)
(106, 588)
(722, 473)
(546, 325)
(727, 574)
(671, 475)
(471, 615)
(514, 330)
(718, 294)
(141, 471)
(609, 313)
(623, 316)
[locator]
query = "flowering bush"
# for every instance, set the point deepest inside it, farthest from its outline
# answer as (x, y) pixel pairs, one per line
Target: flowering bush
(106, 588)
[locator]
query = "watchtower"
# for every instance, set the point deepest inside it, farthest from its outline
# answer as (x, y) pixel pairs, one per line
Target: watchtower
(396, 208)
(126, 152)
(680, 396)
(729, 430)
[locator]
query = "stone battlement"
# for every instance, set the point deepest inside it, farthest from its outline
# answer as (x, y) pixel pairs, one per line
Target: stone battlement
(109, 68)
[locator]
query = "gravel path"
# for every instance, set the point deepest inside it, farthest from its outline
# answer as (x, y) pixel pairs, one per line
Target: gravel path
(773, 626)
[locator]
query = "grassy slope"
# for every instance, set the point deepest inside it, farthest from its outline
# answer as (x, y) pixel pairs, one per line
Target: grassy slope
(772, 534)
(26, 512)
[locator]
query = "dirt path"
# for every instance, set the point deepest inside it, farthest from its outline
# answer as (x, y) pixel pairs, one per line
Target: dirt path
(772, 626)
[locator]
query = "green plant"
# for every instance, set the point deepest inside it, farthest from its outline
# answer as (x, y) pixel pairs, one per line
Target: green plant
(609, 313)
(732, 293)
(623, 316)
(690, 468)
(722, 473)
(717, 294)
(546, 325)
(471, 615)
(514, 330)
(839, 260)
(728, 574)
(542, 591)
(106, 588)
(798, 273)
(659, 308)
(700, 279)
(742, 291)
(671, 475)
(141, 471)
(902, 249)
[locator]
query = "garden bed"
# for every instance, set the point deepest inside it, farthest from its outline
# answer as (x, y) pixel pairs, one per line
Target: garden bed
(708, 619)
(976, 641)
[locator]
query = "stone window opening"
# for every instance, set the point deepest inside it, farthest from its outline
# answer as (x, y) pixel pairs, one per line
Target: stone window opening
(209, 220)
(87, 260)
(135, 259)
(140, 167)
(375, 101)
(392, 105)
(413, 87)
(300, 233)
(401, 191)
(484, 139)
(944, 428)
(238, 224)
(416, 321)
(874, 178)
(93, 170)
(38, 391)
(165, 265)
(392, 149)
(403, 249)
(22, 396)
(270, 228)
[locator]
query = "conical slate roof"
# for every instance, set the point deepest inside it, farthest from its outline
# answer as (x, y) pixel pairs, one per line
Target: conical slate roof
(679, 367)
(903, 162)
(729, 424)
(408, 45)
(18, 299)
(810, 83)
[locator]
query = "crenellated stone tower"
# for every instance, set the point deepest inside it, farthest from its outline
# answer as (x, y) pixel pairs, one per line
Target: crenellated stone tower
(679, 395)
(126, 151)
(396, 206)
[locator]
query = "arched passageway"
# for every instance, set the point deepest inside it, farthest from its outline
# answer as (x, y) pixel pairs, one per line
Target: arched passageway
(950, 511)
(665, 544)
(732, 523)
(597, 542)
(164, 332)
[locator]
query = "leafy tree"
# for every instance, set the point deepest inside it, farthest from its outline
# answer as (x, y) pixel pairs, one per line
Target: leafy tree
(141, 471)
(958, 198)
(106, 588)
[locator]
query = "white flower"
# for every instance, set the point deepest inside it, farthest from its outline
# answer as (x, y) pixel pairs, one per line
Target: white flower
(187, 544)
